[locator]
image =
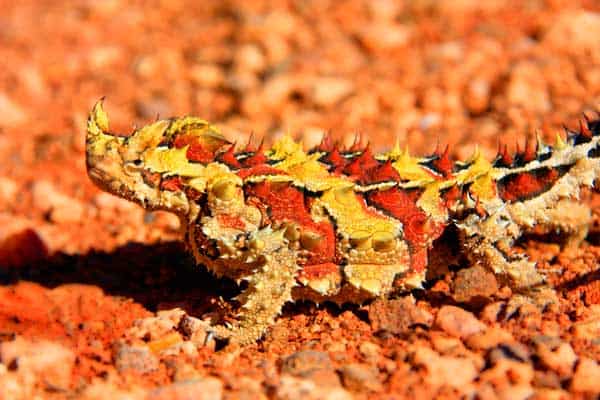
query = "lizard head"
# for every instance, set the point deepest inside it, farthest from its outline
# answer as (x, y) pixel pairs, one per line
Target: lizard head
(164, 165)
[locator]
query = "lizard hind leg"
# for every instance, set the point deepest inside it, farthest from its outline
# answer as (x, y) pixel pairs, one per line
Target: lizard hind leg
(488, 241)
(569, 218)
(269, 288)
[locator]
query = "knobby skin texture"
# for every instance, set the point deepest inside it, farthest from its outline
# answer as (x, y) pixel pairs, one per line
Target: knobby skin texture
(343, 225)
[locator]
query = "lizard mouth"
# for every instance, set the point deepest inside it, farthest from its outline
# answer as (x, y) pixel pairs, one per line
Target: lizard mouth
(96, 175)
(99, 176)
(103, 179)
(106, 172)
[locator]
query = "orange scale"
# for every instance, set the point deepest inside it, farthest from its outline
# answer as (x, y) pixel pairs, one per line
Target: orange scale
(526, 185)
(286, 203)
(318, 271)
(173, 184)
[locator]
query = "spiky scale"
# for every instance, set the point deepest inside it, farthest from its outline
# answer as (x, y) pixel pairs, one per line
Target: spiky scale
(504, 158)
(335, 159)
(326, 145)
(442, 162)
(584, 130)
(228, 158)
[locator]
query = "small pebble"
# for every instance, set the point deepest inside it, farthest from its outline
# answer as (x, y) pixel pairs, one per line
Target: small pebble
(587, 376)
(202, 389)
(457, 322)
(360, 378)
(133, 358)
(397, 316)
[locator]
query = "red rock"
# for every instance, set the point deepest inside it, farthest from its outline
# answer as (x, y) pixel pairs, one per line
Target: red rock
(8, 191)
(574, 32)
(489, 338)
(22, 248)
(136, 359)
(589, 327)
(558, 356)
(306, 362)
(474, 284)
(43, 362)
(12, 113)
(454, 372)
(457, 322)
(397, 316)
(370, 351)
(527, 88)
(326, 92)
(508, 376)
(207, 75)
(587, 377)
(360, 378)
(202, 389)
(291, 388)
(61, 208)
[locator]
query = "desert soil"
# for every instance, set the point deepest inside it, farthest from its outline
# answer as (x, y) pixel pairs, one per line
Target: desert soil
(98, 299)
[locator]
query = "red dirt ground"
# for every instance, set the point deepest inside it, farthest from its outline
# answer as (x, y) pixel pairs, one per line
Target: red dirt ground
(83, 274)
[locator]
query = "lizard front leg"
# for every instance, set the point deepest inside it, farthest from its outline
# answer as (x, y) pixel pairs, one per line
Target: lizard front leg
(230, 242)
(263, 259)
(269, 288)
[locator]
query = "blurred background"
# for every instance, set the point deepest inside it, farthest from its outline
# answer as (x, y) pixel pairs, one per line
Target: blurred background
(464, 72)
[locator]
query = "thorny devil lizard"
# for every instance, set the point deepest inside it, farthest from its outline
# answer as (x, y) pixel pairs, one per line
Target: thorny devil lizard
(339, 225)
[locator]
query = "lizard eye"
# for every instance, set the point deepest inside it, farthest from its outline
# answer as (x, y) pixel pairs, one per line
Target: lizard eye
(133, 166)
